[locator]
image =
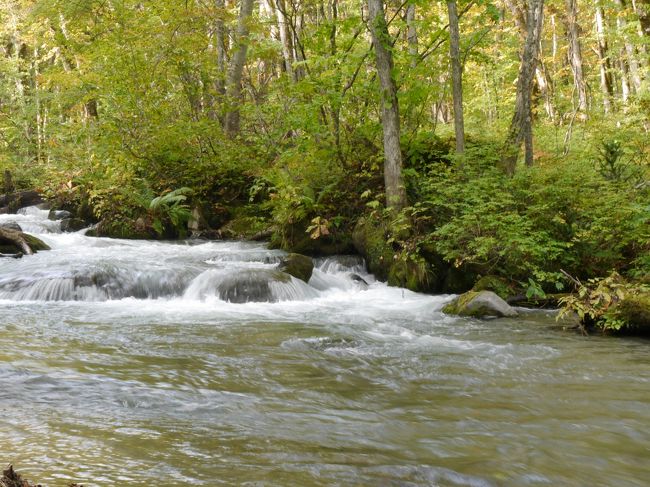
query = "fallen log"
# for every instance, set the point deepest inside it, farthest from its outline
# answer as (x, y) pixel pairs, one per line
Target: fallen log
(13, 241)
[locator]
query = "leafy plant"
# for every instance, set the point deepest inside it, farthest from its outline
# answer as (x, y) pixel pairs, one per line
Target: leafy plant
(171, 208)
(596, 302)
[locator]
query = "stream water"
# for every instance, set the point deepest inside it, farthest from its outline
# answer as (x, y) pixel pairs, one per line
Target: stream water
(121, 364)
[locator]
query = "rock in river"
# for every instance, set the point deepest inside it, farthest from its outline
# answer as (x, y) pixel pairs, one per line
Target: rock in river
(298, 266)
(479, 304)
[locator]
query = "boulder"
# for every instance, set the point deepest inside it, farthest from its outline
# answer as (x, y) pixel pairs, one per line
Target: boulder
(479, 304)
(298, 266)
(59, 214)
(72, 224)
(369, 239)
(251, 286)
(12, 226)
(498, 285)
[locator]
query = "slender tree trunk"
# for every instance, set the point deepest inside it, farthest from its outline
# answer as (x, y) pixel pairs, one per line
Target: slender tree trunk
(606, 85)
(285, 38)
(234, 82)
(541, 75)
(628, 53)
(575, 53)
(412, 35)
(395, 192)
(521, 125)
(643, 11)
(456, 76)
(220, 42)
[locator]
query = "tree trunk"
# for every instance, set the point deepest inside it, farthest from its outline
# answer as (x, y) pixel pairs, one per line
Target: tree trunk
(643, 11)
(521, 125)
(628, 53)
(541, 75)
(220, 42)
(606, 85)
(395, 192)
(16, 239)
(456, 76)
(575, 53)
(412, 35)
(234, 82)
(285, 38)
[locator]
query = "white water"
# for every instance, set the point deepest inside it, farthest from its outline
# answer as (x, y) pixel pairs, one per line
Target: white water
(120, 362)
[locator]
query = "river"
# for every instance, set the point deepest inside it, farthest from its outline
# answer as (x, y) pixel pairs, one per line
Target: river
(121, 365)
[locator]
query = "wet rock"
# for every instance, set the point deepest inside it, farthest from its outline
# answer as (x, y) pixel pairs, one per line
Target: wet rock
(369, 239)
(359, 279)
(12, 226)
(59, 214)
(480, 304)
(72, 224)
(298, 266)
(251, 286)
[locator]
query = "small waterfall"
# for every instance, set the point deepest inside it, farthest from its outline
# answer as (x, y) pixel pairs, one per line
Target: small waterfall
(80, 268)
(251, 285)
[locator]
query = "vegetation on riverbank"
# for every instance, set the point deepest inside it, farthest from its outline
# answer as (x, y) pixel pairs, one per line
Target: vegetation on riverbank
(160, 119)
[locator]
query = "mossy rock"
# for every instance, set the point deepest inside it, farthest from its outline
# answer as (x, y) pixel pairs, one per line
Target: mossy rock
(126, 229)
(415, 276)
(295, 238)
(369, 239)
(243, 227)
(36, 244)
(298, 266)
(479, 304)
(498, 285)
(11, 244)
(635, 311)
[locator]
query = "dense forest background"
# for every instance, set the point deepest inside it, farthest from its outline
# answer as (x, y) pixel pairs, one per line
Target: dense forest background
(275, 119)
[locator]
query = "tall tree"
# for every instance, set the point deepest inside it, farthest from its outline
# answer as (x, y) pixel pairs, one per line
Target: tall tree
(412, 34)
(234, 82)
(521, 127)
(643, 11)
(456, 76)
(395, 191)
(541, 74)
(604, 65)
(575, 53)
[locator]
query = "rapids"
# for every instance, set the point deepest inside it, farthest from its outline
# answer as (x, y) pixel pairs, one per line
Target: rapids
(123, 363)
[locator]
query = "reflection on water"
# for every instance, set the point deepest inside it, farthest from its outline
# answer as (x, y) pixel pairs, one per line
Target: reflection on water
(342, 386)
